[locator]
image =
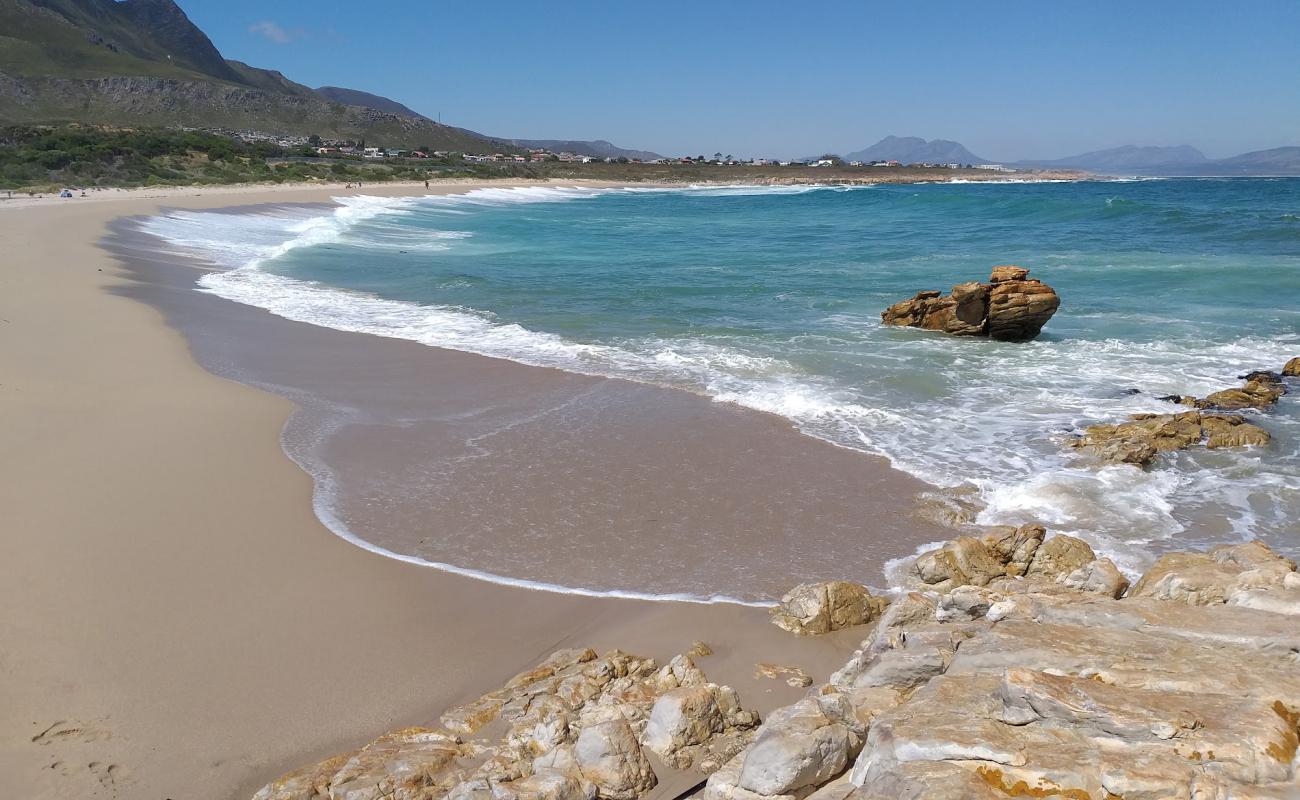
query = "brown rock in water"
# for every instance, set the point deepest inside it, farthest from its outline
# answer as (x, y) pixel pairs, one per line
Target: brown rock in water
(1262, 389)
(1292, 368)
(1011, 307)
(1144, 436)
(814, 608)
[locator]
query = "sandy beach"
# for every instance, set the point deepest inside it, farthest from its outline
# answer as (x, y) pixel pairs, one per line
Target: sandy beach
(177, 623)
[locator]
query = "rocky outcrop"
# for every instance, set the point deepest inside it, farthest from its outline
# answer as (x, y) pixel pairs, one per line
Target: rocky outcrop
(1261, 389)
(1140, 440)
(1011, 307)
(574, 727)
(1292, 368)
(813, 608)
(1226, 574)
(1037, 687)
(1007, 553)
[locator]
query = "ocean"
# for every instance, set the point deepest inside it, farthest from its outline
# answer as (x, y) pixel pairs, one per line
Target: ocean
(769, 298)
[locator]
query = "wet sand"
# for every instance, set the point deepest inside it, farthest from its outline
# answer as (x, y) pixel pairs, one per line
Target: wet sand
(177, 621)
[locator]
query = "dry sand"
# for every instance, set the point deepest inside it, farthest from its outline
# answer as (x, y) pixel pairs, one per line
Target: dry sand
(177, 623)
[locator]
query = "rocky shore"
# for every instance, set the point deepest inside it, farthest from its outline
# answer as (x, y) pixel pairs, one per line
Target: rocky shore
(1014, 664)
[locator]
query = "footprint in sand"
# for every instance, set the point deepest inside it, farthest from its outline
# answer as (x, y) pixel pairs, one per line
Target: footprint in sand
(65, 731)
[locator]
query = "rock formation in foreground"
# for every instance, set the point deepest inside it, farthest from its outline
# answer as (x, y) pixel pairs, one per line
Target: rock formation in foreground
(1011, 307)
(1039, 683)
(575, 727)
(1010, 670)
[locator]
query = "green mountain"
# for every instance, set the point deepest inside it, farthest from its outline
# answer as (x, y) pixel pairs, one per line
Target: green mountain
(143, 62)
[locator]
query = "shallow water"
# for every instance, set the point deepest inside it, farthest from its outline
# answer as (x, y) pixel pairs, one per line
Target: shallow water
(770, 298)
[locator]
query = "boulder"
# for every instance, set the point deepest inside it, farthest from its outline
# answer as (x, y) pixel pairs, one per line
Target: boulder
(1011, 307)
(1100, 576)
(609, 756)
(1014, 547)
(1292, 368)
(1018, 309)
(814, 608)
(964, 560)
(797, 747)
(1058, 557)
(683, 717)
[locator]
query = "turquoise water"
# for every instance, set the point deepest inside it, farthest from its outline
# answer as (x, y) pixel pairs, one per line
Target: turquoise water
(769, 297)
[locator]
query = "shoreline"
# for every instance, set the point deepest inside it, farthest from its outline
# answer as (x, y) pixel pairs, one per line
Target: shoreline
(191, 581)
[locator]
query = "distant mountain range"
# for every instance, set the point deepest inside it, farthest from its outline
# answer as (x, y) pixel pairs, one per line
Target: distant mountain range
(1181, 160)
(914, 150)
(596, 149)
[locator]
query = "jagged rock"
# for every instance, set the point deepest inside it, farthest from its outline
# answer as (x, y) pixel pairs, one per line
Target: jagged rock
(571, 728)
(1011, 307)
(682, 717)
(544, 785)
(699, 650)
(1144, 436)
(798, 746)
(814, 608)
(1015, 547)
(964, 560)
(1058, 557)
(1205, 578)
(609, 756)
(1292, 368)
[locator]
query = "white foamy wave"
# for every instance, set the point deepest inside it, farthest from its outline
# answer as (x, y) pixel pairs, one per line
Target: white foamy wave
(247, 240)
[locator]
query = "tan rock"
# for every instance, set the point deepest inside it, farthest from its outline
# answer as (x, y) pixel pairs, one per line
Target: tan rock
(1100, 576)
(1014, 547)
(683, 717)
(814, 608)
(1139, 440)
(1018, 310)
(1058, 557)
(1008, 272)
(609, 756)
(1209, 578)
(1292, 368)
(799, 746)
(964, 560)
(545, 785)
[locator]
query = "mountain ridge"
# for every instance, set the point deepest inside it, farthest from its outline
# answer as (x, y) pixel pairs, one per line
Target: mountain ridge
(915, 150)
(144, 62)
(596, 148)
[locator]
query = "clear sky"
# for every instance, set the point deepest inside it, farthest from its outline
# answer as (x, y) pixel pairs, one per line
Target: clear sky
(1009, 79)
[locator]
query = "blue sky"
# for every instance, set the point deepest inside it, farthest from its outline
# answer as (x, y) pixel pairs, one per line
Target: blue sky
(1008, 79)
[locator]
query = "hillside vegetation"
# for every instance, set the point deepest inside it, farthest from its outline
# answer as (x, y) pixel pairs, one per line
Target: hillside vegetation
(39, 159)
(143, 62)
